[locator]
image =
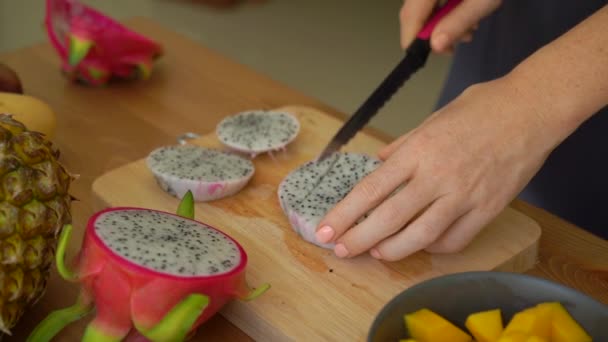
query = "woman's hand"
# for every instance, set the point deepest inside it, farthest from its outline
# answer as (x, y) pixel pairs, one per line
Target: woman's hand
(458, 169)
(457, 26)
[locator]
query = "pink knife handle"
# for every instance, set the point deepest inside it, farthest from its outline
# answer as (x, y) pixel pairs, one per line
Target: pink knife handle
(428, 28)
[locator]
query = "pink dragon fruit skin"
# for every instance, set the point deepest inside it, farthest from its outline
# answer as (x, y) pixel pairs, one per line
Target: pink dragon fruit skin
(94, 48)
(137, 303)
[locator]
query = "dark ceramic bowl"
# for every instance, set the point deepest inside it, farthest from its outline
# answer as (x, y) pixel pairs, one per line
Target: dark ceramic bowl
(456, 296)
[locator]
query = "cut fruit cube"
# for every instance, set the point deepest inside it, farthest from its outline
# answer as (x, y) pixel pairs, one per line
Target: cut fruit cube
(535, 321)
(425, 325)
(564, 328)
(485, 326)
(514, 336)
(536, 339)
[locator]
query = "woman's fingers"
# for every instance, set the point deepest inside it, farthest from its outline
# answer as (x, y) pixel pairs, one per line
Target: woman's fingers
(455, 26)
(459, 21)
(368, 193)
(467, 37)
(385, 220)
(422, 232)
(413, 16)
(461, 233)
(388, 150)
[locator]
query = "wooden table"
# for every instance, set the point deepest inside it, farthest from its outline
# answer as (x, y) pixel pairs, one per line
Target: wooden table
(192, 89)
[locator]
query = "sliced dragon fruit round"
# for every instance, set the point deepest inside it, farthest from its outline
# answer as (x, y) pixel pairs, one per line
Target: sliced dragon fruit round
(210, 174)
(149, 275)
(310, 191)
(258, 131)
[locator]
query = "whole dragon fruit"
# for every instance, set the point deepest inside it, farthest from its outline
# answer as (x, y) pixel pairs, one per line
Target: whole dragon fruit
(94, 48)
(307, 193)
(150, 275)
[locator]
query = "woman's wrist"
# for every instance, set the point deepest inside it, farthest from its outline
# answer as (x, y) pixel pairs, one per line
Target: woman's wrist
(556, 110)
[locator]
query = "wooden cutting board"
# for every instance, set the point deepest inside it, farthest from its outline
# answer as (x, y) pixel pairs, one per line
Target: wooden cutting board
(315, 296)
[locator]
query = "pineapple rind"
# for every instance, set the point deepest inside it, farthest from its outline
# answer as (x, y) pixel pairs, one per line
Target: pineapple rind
(34, 206)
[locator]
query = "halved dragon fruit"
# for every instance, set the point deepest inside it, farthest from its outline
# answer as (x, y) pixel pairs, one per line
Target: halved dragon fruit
(93, 47)
(150, 275)
(208, 173)
(257, 131)
(310, 191)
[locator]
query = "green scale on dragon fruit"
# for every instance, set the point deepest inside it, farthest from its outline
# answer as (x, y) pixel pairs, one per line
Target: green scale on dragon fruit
(149, 275)
(257, 131)
(208, 173)
(310, 191)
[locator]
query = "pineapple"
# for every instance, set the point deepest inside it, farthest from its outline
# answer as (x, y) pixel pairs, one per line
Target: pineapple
(34, 207)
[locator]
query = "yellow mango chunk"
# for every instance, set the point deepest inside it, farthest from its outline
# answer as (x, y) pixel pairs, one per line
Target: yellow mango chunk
(513, 336)
(535, 321)
(408, 340)
(563, 327)
(536, 339)
(485, 326)
(425, 325)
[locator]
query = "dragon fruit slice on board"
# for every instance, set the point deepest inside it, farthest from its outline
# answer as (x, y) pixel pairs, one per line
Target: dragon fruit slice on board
(307, 193)
(210, 174)
(257, 131)
(149, 275)
(94, 48)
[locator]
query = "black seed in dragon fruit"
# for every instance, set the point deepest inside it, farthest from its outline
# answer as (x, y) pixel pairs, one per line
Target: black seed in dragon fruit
(209, 173)
(310, 191)
(258, 131)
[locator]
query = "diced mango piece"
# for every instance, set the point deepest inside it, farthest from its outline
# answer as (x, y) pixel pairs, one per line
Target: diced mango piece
(425, 325)
(533, 321)
(408, 340)
(564, 328)
(536, 339)
(513, 336)
(485, 326)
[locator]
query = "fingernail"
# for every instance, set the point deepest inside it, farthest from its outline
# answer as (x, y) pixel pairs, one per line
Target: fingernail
(340, 251)
(441, 41)
(374, 252)
(325, 234)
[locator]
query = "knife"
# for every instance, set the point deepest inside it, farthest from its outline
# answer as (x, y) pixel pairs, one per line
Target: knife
(414, 59)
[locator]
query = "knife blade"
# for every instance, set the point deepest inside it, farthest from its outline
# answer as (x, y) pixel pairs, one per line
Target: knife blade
(414, 59)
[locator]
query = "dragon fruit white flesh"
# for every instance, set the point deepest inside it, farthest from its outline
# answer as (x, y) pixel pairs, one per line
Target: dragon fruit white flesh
(257, 131)
(150, 275)
(210, 174)
(310, 191)
(167, 243)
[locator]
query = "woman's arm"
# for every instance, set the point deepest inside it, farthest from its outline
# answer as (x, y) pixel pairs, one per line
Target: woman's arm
(466, 162)
(567, 80)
